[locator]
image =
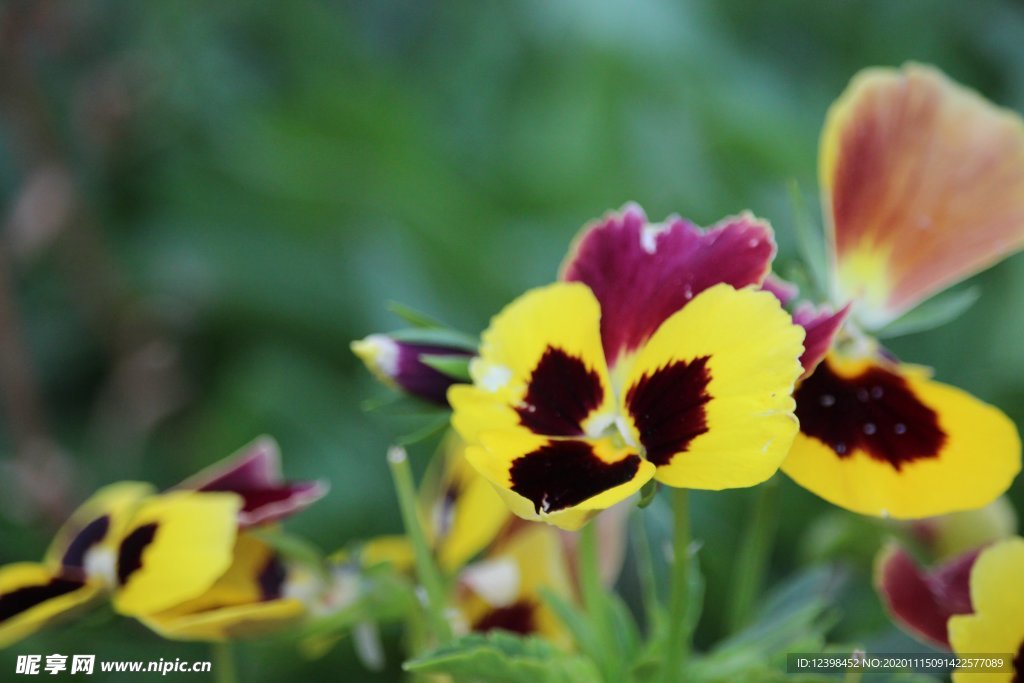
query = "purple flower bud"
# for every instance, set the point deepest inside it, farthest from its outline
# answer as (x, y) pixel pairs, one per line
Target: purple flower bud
(414, 367)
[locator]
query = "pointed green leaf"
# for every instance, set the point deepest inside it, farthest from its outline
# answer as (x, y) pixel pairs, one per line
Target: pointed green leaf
(437, 336)
(412, 316)
(935, 312)
(811, 243)
(456, 367)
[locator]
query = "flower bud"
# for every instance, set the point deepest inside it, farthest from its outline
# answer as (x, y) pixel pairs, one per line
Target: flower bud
(424, 369)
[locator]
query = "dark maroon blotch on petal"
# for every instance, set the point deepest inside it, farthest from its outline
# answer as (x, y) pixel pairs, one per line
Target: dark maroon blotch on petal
(271, 578)
(519, 617)
(668, 408)
(641, 275)
(923, 601)
(23, 599)
(129, 555)
(875, 412)
(561, 474)
(92, 533)
(561, 393)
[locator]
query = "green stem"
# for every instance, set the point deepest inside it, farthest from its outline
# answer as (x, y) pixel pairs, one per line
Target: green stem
(754, 554)
(678, 645)
(645, 570)
(594, 602)
(224, 670)
(426, 571)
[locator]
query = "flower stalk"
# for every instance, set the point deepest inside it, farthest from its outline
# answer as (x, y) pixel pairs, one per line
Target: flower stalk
(426, 570)
(754, 554)
(678, 645)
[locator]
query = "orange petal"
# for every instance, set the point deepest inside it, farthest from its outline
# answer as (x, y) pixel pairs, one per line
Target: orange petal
(923, 184)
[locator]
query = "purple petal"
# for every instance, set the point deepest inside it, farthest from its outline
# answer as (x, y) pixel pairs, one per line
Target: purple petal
(923, 601)
(784, 290)
(254, 473)
(821, 325)
(642, 273)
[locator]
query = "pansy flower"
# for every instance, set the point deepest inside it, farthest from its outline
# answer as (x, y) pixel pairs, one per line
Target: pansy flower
(154, 552)
(503, 591)
(259, 593)
(149, 552)
(996, 622)
(923, 186)
(655, 359)
(922, 599)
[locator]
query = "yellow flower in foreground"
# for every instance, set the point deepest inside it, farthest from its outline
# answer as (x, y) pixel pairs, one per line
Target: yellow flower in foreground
(997, 624)
(704, 401)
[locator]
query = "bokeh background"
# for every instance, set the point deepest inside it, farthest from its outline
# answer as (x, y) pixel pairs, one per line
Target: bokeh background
(202, 203)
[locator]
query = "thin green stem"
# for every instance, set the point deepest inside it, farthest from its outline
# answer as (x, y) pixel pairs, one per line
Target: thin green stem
(594, 602)
(224, 670)
(678, 645)
(645, 570)
(754, 554)
(426, 570)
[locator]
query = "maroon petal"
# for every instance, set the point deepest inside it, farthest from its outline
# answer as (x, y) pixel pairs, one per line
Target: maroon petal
(642, 273)
(254, 473)
(784, 290)
(923, 601)
(821, 325)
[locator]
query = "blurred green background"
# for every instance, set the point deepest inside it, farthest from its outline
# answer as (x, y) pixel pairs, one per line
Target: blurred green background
(203, 203)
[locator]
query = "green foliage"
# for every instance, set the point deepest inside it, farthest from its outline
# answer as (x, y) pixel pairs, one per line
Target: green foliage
(501, 657)
(940, 310)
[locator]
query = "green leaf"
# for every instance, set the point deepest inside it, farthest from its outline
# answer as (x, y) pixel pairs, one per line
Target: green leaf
(456, 367)
(575, 621)
(647, 493)
(437, 336)
(935, 312)
(434, 426)
(500, 657)
(794, 618)
(413, 317)
(811, 243)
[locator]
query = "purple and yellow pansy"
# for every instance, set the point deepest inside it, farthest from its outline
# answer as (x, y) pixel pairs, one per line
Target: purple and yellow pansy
(656, 358)
(996, 621)
(969, 605)
(159, 555)
(923, 185)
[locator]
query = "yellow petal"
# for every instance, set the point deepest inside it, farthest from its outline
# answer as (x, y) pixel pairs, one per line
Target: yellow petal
(97, 524)
(997, 624)
(461, 511)
(32, 595)
(246, 601)
(923, 184)
(176, 546)
(709, 397)
(541, 367)
(878, 440)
